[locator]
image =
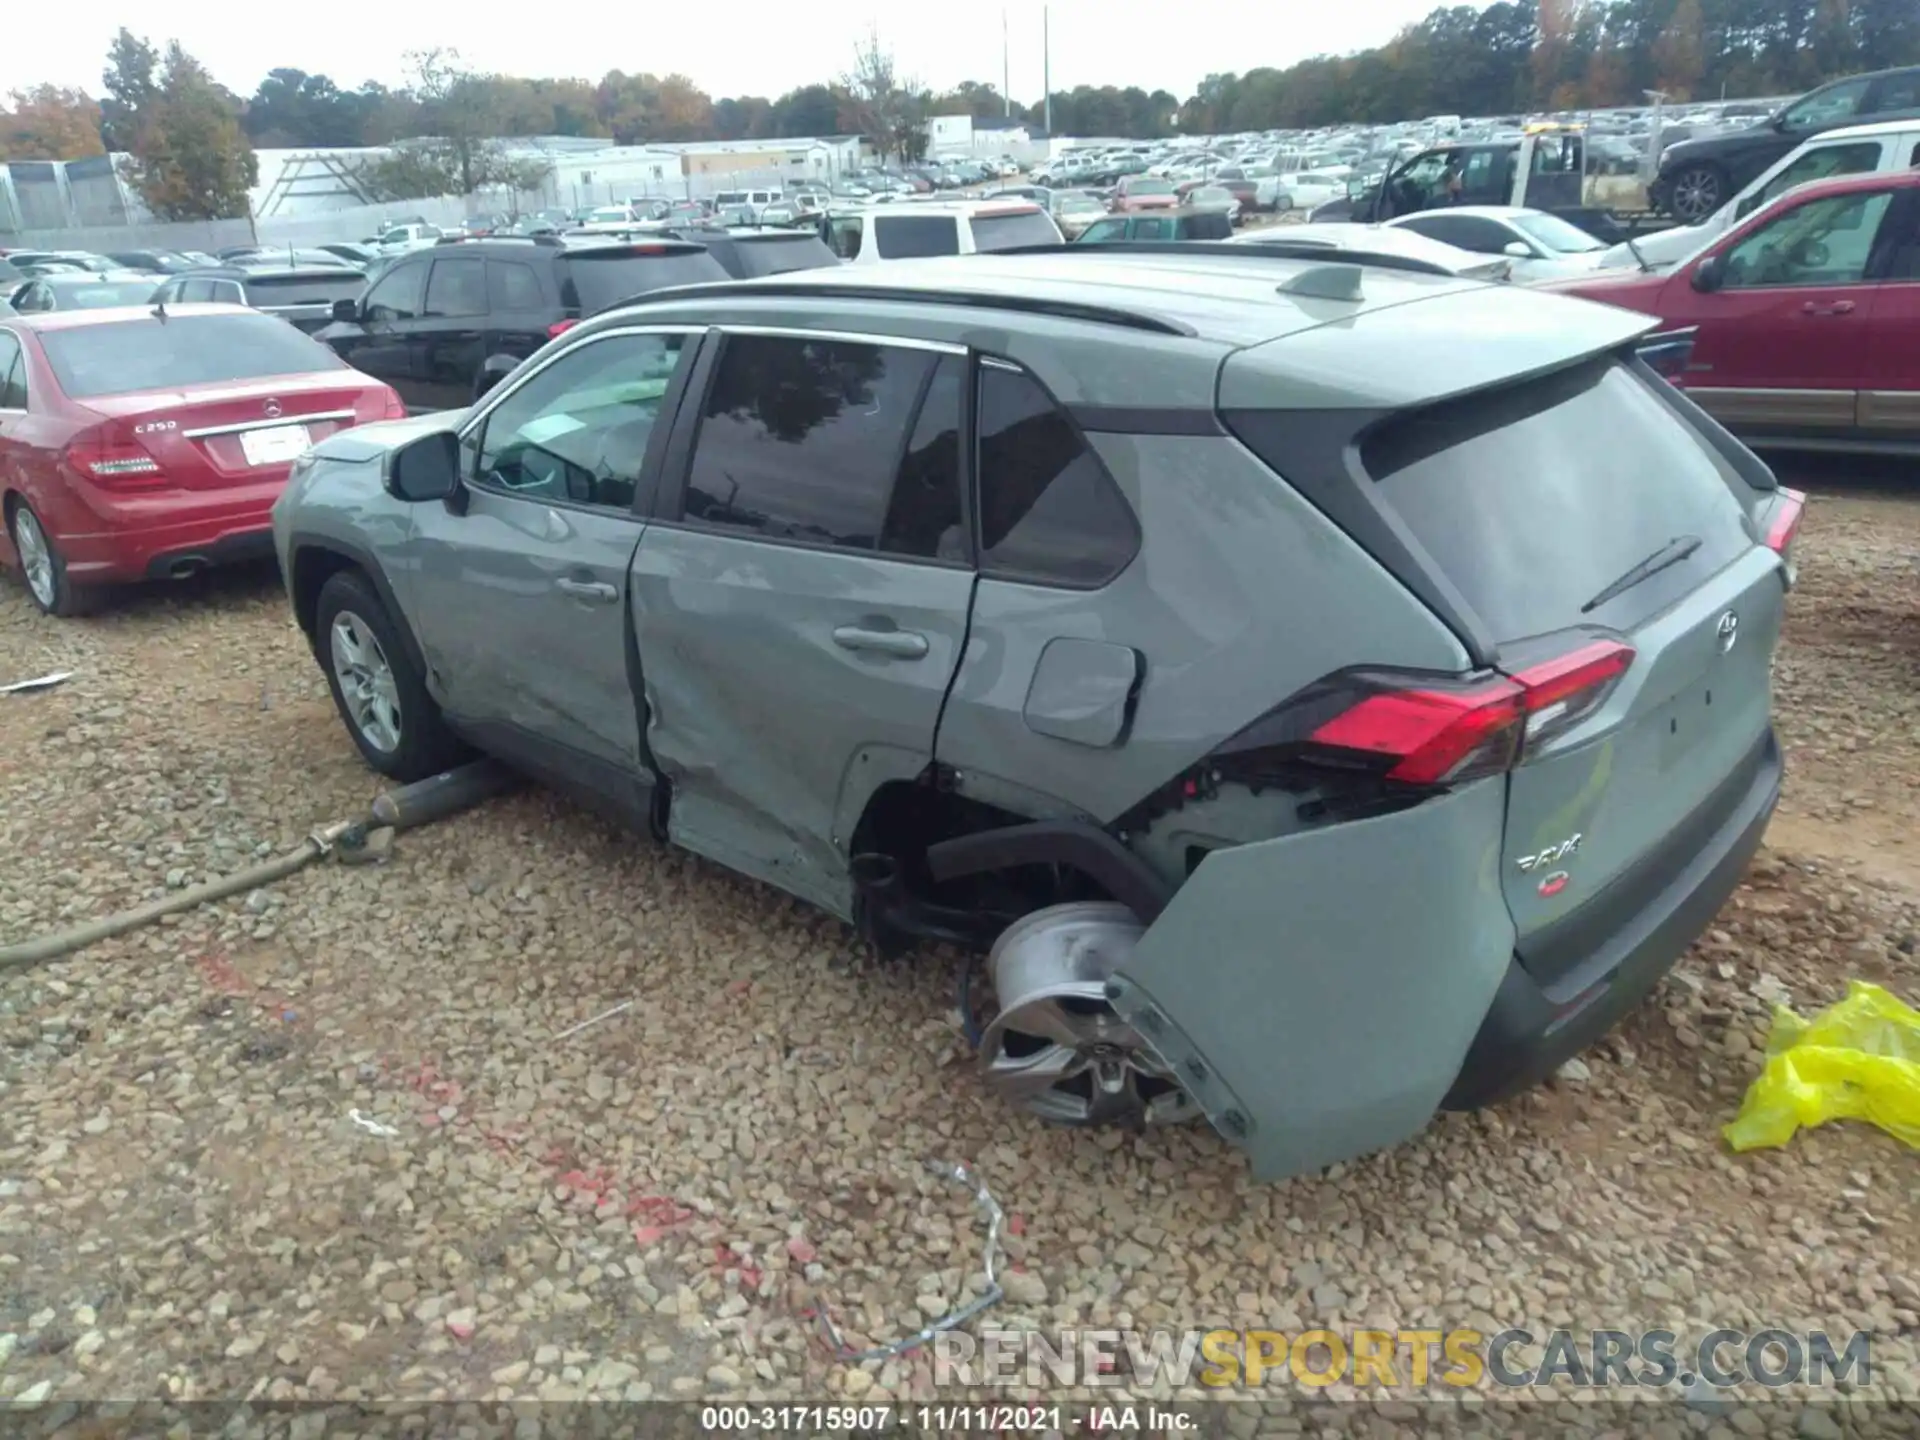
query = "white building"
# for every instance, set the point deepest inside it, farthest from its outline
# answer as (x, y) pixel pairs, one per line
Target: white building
(966, 137)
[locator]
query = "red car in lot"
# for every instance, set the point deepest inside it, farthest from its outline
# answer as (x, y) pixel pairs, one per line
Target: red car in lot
(1139, 192)
(1806, 317)
(142, 443)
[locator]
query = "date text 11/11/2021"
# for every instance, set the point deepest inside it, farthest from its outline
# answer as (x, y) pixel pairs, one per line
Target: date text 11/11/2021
(976, 1419)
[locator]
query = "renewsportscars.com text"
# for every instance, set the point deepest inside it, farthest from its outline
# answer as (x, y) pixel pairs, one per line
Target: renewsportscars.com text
(1457, 1359)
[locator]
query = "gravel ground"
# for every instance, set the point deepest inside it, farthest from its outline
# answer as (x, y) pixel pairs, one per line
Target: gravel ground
(653, 1206)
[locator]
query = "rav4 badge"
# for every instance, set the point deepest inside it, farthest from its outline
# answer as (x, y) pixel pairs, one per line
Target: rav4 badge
(1550, 855)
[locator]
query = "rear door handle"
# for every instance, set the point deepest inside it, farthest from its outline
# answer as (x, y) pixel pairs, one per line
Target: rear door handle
(906, 644)
(1839, 307)
(598, 591)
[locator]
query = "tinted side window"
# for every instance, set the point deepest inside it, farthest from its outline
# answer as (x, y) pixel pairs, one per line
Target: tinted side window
(1822, 164)
(1049, 512)
(904, 237)
(1898, 92)
(13, 374)
(513, 286)
(457, 288)
(578, 430)
(926, 516)
(398, 296)
(800, 439)
(1823, 242)
(1153, 228)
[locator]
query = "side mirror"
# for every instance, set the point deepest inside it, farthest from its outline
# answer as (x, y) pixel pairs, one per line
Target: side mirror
(346, 312)
(1518, 249)
(424, 469)
(1709, 274)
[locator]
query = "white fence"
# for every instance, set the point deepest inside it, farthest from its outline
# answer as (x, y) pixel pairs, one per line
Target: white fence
(358, 222)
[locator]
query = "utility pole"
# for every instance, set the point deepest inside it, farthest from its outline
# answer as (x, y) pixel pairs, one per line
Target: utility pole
(1046, 69)
(1006, 67)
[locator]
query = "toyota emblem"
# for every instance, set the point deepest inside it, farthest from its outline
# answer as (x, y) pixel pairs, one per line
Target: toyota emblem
(273, 409)
(1728, 630)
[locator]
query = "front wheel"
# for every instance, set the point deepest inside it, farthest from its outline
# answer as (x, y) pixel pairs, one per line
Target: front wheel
(1696, 193)
(380, 693)
(48, 585)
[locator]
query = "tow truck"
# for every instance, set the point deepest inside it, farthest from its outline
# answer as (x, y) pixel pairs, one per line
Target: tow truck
(1548, 168)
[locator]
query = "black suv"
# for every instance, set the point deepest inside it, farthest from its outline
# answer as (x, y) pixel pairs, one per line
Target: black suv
(302, 295)
(443, 325)
(1697, 176)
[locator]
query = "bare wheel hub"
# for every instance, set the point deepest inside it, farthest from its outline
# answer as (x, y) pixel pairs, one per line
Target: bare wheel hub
(1057, 1048)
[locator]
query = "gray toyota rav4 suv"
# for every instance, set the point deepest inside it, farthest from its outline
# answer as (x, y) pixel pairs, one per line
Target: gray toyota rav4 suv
(1326, 693)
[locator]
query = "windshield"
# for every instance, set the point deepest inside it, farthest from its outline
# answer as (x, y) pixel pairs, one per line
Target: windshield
(150, 354)
(1081, 205)
(617, 214)
(1149, 187)
(1556, 234)
(103, 295)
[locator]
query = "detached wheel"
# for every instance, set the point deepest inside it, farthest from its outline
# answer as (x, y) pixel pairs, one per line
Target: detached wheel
(379, 692)
(1697, 192)
(45, 572)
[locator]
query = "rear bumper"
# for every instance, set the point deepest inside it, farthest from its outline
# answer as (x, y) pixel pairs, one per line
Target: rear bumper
(1529, 1032)
(140, 537)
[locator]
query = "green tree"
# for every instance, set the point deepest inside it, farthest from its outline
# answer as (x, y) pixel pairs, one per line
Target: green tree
(190, 159)
(464, 114)
(131, 84)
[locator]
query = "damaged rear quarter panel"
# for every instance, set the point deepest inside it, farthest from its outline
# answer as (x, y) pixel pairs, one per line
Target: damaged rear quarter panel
(1317, 993)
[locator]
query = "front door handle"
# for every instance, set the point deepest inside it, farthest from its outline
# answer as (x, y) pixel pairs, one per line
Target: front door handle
(598, 591)
(906, 644)
(1839, 307)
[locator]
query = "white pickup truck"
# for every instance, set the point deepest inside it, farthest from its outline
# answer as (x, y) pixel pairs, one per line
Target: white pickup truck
(1856, 150)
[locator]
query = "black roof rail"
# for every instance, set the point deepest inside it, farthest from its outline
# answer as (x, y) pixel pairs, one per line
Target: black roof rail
(1240, 250)
(910, 295)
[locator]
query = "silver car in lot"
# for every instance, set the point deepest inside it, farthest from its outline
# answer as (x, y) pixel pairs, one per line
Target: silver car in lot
(1325, 692)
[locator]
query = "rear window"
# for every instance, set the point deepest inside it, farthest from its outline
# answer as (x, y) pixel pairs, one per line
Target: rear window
(779, 256)
(909, 237)
(1008, 232)
(267, 291)
(150, 354)
(1533, 499)
(104, 296)
(596, 280)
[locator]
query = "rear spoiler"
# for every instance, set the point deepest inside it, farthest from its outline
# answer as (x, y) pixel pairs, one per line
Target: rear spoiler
(1667, 351)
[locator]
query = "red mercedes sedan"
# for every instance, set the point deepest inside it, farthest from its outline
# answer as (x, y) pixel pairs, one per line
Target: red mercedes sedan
(141, 443)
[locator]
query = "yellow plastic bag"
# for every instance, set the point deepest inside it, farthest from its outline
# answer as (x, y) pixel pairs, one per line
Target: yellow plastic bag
(1857, 1060)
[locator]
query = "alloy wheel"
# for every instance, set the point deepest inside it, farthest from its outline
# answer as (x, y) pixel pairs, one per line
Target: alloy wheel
(36, 556)
(365, 678)
(1696, 194)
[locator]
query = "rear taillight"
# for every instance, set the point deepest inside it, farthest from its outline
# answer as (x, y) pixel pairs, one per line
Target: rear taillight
(1435, 730)
(114, 461)
(1783, 521)
(559, 328)
(395, 409)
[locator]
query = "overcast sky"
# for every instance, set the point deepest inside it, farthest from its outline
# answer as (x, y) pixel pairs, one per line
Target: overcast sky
(742, 47)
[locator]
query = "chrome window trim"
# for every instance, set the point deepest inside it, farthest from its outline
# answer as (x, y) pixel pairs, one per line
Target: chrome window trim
(851, 337)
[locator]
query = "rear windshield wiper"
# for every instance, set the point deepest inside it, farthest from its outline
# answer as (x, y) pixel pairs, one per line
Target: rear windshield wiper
(1669, 554)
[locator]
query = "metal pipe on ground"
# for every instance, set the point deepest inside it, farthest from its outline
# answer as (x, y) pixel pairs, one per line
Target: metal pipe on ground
(402, 808)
